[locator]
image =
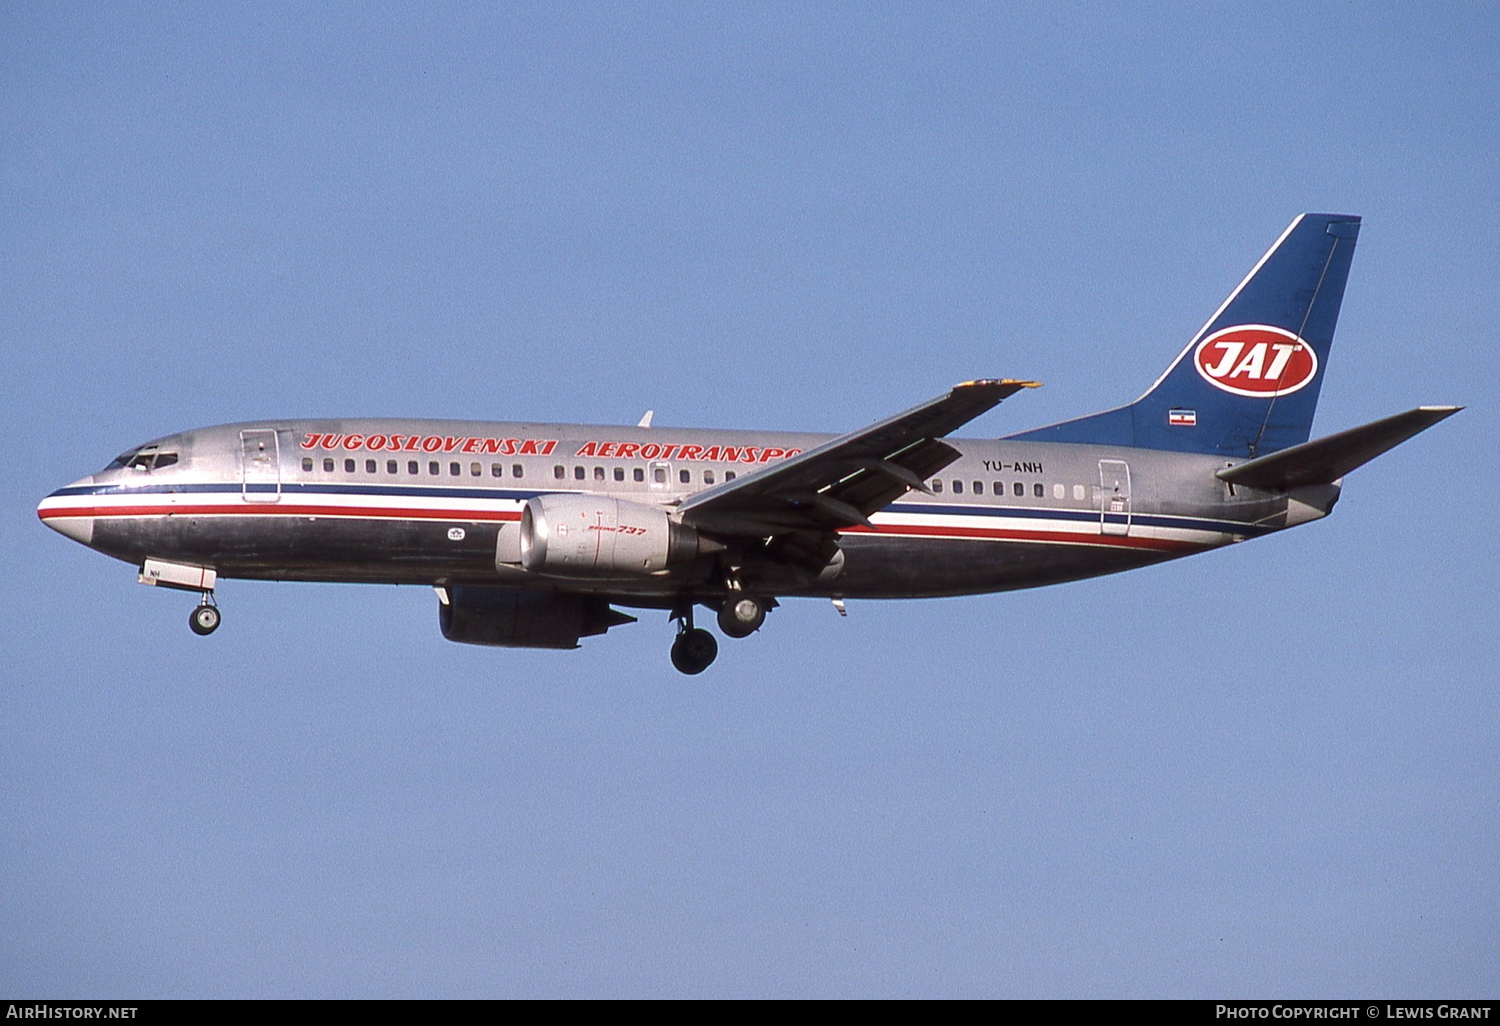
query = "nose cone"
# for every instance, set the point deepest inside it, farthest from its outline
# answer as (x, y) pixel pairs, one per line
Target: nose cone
(70, 511)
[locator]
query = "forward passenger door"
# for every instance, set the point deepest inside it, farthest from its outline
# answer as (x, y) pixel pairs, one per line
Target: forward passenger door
(260, 466)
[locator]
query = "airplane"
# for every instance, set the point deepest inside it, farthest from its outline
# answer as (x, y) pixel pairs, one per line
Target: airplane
(531, 534)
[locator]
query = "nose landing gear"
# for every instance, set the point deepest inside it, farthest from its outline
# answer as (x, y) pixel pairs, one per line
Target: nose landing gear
(204, 620)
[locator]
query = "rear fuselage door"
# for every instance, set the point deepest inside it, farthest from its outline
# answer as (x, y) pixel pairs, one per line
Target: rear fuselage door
(260, 466)
(1114, 497)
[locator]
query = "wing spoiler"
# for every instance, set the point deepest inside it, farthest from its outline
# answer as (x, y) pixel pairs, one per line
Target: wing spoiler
(1325, 460)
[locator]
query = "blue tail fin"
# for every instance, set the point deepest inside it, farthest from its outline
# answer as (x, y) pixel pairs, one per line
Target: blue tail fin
(1248, 382)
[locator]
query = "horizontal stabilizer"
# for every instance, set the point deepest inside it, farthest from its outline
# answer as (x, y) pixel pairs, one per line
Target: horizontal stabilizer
(1325, 460)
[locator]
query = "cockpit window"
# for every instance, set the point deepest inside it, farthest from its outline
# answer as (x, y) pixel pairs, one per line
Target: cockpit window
(145, 458)
(124, 459)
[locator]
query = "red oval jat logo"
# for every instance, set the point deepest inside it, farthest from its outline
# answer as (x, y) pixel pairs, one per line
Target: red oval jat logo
(1256, 360)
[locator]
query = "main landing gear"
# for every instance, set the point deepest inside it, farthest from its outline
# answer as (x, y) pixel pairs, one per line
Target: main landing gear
(694, 648)
(740, 616)
(204, 620)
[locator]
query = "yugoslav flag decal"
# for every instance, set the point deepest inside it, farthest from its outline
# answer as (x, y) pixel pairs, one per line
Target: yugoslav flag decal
(1256, 360)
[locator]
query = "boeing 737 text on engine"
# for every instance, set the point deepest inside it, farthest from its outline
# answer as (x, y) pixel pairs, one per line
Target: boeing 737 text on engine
(532, 534)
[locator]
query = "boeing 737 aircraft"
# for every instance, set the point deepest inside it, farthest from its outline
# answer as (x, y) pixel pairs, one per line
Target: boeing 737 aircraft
(531, 534)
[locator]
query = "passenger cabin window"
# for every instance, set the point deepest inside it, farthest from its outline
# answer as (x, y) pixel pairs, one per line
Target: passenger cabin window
(1059, 492)
(1018, 489)
(1078, 492)
(659, 475)
(496, 470)
(474, 469)
(348, 466)
(729, 475)
(958, 487)
(638, 474)
(328, 466)
(1039, 490)
(558, 472)
(307, 463)
(412, 467)
(685, 476)
(369, 466)
(619, 473)
(454, 469)
(391, 466)
(434, 468)
(978, 487)
(937, 486)
(708, 477)
(578, 473)
(515, 470)
(598, 473)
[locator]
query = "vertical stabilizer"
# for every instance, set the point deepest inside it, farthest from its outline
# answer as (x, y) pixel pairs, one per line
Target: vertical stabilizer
(1248, 382)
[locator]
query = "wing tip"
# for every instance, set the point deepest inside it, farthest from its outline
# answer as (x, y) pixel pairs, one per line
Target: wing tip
(1011, 383)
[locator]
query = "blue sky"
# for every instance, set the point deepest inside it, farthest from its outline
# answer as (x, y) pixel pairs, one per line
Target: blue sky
(1268, 770)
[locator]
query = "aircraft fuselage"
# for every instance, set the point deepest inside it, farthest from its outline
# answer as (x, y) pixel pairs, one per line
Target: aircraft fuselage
(425, 502)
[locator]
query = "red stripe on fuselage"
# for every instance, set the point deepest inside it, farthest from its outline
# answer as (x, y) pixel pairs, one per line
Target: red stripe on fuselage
(1001, 534)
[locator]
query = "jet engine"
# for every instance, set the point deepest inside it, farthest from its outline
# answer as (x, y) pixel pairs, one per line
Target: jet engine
(592, 536)
(521, 618)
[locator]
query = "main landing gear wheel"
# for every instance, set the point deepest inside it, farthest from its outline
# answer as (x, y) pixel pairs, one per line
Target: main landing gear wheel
(741, 615)
(205, 619)
(694, 650)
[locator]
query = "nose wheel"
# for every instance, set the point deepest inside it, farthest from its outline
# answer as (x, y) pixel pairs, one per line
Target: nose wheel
(204, 620)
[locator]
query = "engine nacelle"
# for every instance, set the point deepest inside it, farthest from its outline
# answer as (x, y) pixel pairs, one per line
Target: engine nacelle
(520, 618)
(593, 536)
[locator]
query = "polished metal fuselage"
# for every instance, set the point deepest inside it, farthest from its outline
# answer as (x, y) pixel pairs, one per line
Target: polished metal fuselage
(426, 502)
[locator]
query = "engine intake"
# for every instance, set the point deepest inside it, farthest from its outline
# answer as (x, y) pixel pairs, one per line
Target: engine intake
(520, 618)
(594, 536)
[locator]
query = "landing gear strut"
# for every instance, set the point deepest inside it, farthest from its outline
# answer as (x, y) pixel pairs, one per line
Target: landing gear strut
(204, 620)
(694, 648)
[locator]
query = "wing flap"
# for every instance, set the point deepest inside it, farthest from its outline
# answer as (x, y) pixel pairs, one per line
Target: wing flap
(846, 480)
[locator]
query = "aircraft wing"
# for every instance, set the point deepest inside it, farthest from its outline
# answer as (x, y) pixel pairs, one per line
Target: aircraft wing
(843, 481)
